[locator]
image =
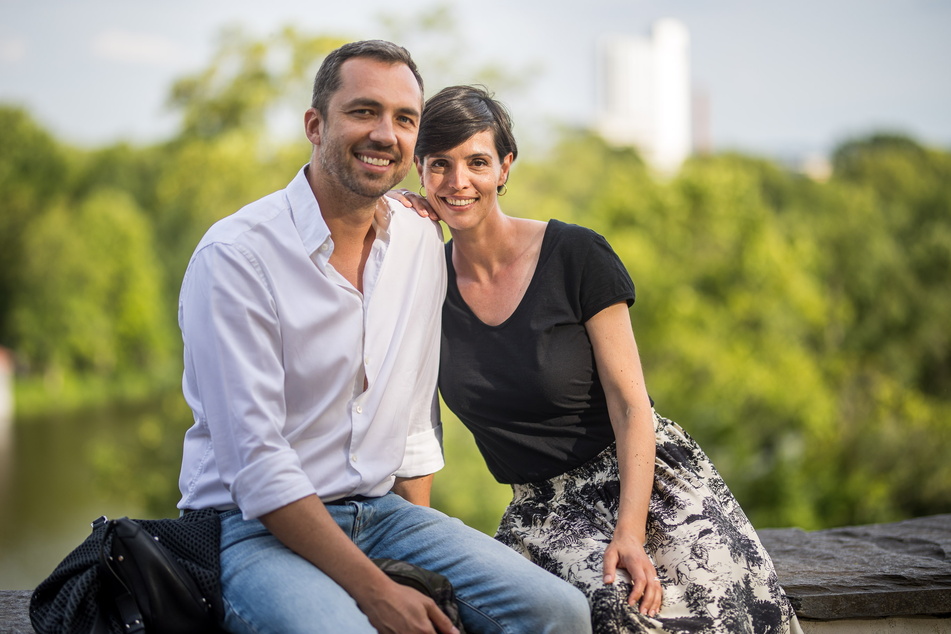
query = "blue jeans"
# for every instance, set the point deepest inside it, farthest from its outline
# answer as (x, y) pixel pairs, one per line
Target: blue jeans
(268, 588)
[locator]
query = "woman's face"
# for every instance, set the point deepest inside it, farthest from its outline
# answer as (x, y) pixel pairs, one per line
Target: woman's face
(461, 183)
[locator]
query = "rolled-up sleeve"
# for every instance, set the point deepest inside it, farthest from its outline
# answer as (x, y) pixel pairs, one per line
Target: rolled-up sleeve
(232, 339)
(424, 454)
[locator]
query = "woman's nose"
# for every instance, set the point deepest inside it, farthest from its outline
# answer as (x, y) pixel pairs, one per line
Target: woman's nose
(458, 178)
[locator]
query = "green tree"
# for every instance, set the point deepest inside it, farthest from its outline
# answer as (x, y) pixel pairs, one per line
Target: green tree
(883, 245)
(90, 294)
(900, 310)
(249, 79)
(33, 173)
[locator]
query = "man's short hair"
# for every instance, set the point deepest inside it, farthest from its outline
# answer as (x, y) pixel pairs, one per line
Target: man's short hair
(327, 81)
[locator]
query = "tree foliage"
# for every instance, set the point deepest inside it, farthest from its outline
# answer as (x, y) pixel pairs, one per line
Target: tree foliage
(797, 329)
(90, 300)
(247, 80)
(33, 168)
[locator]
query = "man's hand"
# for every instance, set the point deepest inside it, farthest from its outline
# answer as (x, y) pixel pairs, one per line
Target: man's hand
(399, 609)
(307, 528)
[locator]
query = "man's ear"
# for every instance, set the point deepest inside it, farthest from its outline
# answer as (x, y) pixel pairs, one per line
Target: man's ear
(313, 122)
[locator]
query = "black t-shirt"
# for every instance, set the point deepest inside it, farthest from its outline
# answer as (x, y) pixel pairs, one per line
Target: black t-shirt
(528, 388)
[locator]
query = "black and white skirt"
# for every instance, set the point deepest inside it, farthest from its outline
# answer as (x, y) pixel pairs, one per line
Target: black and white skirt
(716, 575)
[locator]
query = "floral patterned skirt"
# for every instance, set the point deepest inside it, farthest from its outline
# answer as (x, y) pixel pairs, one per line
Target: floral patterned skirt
(716, 575)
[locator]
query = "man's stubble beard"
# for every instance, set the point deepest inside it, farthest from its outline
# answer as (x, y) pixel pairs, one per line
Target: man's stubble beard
(336, 161)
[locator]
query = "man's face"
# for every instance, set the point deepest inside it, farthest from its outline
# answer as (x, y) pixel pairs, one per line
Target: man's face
(367, 139)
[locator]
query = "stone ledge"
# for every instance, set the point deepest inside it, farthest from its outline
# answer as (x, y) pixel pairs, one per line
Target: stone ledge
(866, 572)
(15, 612)
(876, 578)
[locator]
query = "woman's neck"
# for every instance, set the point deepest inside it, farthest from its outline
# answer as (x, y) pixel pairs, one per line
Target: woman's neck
(482, 251)
(488, 251)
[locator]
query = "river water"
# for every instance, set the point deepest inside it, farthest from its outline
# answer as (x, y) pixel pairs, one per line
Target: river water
(58, 474)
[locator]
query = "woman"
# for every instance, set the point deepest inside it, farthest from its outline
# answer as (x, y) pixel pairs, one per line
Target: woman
(539, 361)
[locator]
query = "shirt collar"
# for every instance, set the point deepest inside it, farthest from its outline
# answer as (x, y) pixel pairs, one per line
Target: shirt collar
(306, 213)
(310, 223)
(383, 218)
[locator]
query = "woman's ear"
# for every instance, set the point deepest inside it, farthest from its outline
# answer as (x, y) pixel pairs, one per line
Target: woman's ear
(506, 166)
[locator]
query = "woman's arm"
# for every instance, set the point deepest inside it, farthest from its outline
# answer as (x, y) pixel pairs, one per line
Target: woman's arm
(415, 490)
(622, 378)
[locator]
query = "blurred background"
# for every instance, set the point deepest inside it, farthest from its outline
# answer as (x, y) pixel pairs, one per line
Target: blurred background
(776, 177)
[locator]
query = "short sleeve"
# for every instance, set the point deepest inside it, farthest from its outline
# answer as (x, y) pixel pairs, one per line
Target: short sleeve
(605, 281)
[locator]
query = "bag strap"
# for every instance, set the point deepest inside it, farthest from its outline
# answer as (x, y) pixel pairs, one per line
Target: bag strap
(129, 611)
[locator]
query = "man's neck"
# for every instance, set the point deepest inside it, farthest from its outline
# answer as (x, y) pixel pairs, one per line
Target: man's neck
(346, 213)
(349, 218)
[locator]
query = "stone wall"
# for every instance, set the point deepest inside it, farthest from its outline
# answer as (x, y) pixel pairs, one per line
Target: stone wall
(877, 579)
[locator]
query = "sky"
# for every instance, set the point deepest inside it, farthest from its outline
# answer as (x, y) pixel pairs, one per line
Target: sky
(781, 77)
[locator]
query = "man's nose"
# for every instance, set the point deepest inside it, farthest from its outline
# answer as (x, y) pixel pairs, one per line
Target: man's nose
(384, 132)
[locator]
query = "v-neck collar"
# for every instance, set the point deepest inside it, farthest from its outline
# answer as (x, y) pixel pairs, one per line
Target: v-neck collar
(550, 231)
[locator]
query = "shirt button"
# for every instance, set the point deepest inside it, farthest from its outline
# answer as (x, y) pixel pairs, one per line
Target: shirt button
(359, 409)
(324, 247)
(366, 360)
(353, 457)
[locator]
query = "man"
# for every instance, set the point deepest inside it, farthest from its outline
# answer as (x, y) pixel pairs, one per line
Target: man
(311, 321)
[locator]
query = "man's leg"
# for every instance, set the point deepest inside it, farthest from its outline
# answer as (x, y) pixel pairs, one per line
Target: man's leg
(268, 588)
(498, 590)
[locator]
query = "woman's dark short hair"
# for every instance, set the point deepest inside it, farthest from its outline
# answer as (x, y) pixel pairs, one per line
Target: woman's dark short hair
(454, 114)
(327, 81)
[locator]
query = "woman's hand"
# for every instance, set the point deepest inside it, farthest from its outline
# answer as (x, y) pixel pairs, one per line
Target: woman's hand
(626, 552)
(413, 200)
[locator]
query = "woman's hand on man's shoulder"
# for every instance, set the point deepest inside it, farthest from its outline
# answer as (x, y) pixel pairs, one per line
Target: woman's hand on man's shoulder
(414, 201)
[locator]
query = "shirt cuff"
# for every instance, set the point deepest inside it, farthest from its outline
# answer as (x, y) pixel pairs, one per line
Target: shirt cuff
(423, 454)
(269, 484)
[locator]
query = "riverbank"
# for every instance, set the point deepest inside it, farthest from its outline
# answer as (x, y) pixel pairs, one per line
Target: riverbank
(37, 397)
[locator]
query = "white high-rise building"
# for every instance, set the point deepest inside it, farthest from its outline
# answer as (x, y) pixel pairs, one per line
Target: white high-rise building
(644, 93)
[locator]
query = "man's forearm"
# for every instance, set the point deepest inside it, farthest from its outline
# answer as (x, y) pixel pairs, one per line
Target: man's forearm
(307, 528)
(416, 490)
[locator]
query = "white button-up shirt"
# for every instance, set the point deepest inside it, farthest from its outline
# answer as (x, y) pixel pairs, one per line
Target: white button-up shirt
(279, 346)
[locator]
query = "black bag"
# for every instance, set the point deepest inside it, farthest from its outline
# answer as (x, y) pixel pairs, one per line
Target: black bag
(159, 576)
(150, 576)
(432, 584)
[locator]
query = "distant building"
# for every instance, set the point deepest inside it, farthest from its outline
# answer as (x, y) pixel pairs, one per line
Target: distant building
(644, 95)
